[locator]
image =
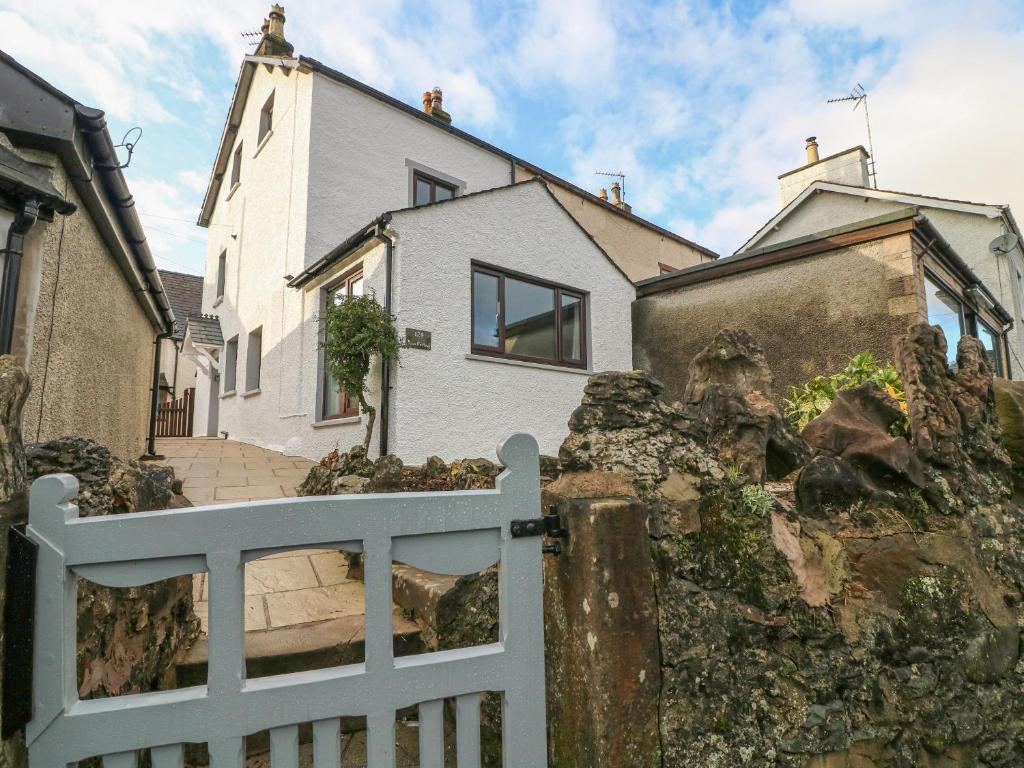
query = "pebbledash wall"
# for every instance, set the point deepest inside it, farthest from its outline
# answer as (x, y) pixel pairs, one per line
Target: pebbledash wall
(968, 233)
(90, 361)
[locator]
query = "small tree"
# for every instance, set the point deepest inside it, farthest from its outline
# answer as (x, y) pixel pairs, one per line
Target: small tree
(356, 331)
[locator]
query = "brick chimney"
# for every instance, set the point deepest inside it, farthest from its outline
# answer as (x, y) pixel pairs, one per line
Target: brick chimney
(617, 200)
(273, 42)
(432, 105)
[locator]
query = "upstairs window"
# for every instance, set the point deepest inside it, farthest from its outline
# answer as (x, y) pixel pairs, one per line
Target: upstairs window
(427, 189)
(522, 318)
(266, 119)
(236, 166)
(253, 356)
(230, 364)
(222, 266)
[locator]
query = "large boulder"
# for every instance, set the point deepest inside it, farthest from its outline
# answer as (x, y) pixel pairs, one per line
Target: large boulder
(1009, 397)
(729, 403)
(856, 456)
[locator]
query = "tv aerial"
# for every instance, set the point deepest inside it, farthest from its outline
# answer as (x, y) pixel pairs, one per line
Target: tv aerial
(860, 96)
(252, 37)
(1003, 244)
(621, 176)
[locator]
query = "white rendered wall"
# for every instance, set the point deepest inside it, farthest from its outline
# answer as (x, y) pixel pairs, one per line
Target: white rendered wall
(454, 407)
(358, 166)
(262, 226)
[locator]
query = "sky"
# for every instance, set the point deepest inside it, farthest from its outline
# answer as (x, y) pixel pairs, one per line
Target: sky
(701, 104)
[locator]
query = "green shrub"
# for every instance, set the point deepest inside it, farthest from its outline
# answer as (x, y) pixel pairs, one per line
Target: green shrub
(812, 399)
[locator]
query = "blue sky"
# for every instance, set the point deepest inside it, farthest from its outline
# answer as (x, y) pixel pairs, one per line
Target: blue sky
(701, 104)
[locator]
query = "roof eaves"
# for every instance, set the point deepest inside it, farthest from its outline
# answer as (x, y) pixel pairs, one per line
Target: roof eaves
(660, 283)
(338, 253)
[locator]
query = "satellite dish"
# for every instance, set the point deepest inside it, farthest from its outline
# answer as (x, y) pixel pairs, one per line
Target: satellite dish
(1003, 244)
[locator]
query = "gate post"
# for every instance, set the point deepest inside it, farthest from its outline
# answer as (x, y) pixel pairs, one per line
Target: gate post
(601, 628)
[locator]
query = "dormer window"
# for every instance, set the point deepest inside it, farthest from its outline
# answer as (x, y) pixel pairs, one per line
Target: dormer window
(427, 189)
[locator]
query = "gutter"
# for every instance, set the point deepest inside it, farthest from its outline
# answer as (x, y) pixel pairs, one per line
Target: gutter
(111, 184)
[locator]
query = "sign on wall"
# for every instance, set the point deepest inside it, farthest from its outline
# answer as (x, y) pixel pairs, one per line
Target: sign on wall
(417, 339)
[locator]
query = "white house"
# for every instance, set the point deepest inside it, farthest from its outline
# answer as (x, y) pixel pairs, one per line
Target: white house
(835, 191)
(317, 180)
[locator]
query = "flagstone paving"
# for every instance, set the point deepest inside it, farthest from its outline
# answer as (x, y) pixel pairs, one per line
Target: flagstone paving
(280, 590)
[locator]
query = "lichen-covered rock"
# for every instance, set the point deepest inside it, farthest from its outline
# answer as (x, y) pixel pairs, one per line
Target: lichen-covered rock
(128, 639)
(1009, 397)
(729, 403)
(864, 629)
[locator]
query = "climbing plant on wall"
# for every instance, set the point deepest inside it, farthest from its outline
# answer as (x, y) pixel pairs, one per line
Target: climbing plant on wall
(358, 331)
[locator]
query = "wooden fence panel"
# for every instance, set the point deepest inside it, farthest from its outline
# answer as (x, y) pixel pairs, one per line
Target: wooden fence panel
(174, 419)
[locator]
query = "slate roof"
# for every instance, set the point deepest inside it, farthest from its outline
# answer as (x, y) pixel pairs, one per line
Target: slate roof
(205, 329)
(185, 294)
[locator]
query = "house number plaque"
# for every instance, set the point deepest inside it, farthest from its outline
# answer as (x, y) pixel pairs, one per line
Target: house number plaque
(416, 339)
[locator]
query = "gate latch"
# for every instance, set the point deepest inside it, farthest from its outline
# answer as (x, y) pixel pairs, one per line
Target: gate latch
(549, 525)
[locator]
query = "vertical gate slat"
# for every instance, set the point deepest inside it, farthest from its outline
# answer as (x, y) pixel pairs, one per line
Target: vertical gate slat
(467, 730)
(168, 756)
(121, 760)
(227, 753)
(380, 740)
(284, 747)
(431, 734)
(327, 743)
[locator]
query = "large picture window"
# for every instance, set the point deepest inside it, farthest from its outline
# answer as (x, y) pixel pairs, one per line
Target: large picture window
(523, 318)
(336, 403)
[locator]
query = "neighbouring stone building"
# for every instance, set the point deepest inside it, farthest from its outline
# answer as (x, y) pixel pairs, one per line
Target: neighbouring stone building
(82, 303)
(815, 301)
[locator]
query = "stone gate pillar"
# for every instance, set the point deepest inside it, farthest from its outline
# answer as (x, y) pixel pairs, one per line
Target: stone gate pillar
(601, 628)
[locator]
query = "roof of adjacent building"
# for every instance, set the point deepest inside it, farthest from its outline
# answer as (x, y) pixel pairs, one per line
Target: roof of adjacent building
(40, 116)
(903, 220)
(990, 210)
(185, 293)
(355, 241)
(205, 330)
(245, 79)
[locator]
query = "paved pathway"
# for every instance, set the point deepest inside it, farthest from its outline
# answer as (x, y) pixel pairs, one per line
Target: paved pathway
(280, 590)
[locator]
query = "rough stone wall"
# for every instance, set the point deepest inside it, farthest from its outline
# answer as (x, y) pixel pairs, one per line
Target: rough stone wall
(128, 639)
(808, 316)
(92, 343)
(878, 629)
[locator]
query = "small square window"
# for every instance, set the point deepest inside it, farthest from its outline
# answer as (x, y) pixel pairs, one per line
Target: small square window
(266, 119)
(426, 190)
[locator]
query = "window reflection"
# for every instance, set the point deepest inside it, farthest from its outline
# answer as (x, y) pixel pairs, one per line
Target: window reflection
(945, 311)
(485, 310)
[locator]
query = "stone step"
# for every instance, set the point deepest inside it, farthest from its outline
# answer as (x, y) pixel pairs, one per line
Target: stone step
(418, 593)
(300, 647)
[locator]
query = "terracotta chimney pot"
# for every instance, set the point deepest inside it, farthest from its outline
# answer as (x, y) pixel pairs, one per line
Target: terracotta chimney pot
(603, 194)
(426, 102)
(812, 150)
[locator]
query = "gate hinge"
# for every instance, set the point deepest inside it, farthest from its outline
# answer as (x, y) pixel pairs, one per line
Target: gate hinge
(549, 525)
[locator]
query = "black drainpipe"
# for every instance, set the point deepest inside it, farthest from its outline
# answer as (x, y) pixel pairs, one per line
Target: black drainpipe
(385, 366)
(155, 393)
(15, 247)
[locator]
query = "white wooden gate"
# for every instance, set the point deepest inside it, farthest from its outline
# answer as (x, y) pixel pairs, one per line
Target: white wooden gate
(456, 533)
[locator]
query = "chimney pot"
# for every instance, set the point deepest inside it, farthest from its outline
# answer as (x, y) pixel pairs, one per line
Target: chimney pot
(426, 102)
(273, 42)
(812, 149)
(433, 105)
(603, 194)
(616, 193)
